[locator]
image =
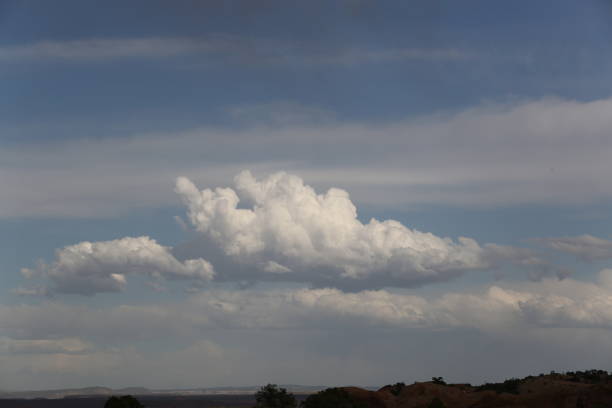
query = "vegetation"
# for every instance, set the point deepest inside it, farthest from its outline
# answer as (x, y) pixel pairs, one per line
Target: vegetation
(332, 398)
(509, 386)
(396, 388)
(271, 396)
(436, 403)
(589, 376)
(125, 401)
(438, 380)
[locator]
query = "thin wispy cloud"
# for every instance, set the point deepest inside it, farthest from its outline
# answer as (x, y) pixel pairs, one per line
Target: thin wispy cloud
(226, 47)
(585, 247)
(99, 49)
(489, 155)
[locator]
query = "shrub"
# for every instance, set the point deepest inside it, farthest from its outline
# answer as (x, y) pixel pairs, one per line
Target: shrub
(589, 376)
(509, 386)
(126, 401)
(436, 403)
(397, 388)
(271, 396)
(331, 398)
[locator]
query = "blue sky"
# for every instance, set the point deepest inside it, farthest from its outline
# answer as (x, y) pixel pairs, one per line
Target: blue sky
(485, 120)
(556, 51)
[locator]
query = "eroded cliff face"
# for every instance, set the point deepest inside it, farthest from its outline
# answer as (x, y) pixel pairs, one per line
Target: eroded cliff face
(549, 391)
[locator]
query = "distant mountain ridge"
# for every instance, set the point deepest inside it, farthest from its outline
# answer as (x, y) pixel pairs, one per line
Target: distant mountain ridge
(102, 391)
(69, 392)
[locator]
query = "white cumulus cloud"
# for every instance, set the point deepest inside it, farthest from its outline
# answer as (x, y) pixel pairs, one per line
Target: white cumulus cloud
(277, 229)
(91, 267)
(279, 224)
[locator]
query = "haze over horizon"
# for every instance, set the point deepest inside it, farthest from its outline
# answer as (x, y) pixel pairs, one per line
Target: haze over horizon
(202, 194)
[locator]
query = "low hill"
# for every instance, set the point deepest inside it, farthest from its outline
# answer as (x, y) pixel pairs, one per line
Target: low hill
(588, 389)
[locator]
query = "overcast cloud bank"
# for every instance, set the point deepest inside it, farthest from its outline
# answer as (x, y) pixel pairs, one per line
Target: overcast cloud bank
(550, 303)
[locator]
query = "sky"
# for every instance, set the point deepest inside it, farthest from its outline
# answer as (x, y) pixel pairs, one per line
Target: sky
(207, 193)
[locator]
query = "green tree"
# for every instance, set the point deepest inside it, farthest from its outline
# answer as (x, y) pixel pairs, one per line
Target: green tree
(125, 401)
(271, 396)
(331, 398)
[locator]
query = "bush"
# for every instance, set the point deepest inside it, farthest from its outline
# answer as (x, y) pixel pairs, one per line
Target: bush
(436, 403)
(396, 388)
(126, 401)
(438, 380)
(331, 398)
(271, 396)
(510, 386)
(589, 376)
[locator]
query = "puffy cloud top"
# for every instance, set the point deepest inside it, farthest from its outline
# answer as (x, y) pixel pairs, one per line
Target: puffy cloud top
(277, 229)
(289, 229)
(91, 267)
